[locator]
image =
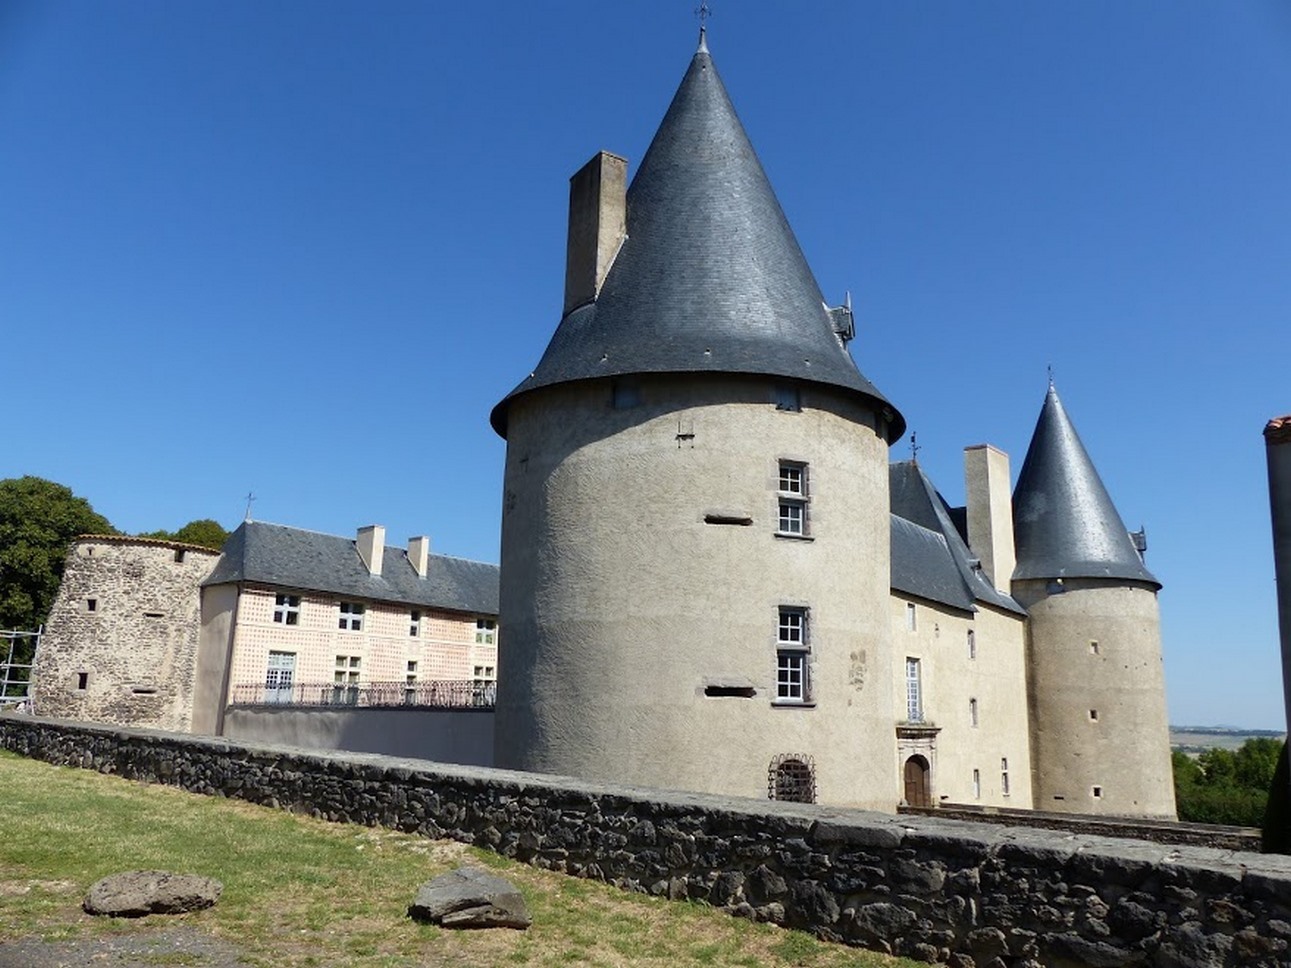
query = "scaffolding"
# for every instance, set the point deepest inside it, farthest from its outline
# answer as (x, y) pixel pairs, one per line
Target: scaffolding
(15, 677)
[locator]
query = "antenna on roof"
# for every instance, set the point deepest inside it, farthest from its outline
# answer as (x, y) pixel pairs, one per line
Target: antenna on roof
(250, 498)
(703, 12)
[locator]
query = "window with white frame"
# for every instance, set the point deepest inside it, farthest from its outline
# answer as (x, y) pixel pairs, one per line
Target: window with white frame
(1004, 775)
(485, 684)
(486, 631)
(913, 690)
(793, 683)
(911, 621)
(410, 683)
(286, 609)
(972, 644)
(347, 670)
(791, 498)
(414, 623)
(345, 679)
(351, 616)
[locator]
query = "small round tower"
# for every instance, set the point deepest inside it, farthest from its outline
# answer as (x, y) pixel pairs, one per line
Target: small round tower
(695, 537)
(1100, 739)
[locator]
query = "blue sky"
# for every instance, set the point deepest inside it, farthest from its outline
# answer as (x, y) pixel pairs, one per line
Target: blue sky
(301, 248)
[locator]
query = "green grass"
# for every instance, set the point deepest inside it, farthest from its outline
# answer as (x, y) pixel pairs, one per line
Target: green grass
(301, 892)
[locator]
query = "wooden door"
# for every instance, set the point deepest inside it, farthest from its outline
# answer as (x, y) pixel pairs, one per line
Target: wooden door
(917, 791)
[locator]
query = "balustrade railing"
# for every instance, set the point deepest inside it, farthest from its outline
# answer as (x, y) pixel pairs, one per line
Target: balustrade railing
(434, 694)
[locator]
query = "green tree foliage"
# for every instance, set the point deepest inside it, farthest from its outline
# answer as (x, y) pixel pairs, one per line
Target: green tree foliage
(1226, 786)
(204, 532)
(38, 519)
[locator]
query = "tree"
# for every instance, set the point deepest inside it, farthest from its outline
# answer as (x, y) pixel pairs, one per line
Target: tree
(204, 532)
(1226, 786)
(38, 519)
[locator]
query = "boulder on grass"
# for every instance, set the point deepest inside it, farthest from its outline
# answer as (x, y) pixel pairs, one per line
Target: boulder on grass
(470, 898)
(133, 894)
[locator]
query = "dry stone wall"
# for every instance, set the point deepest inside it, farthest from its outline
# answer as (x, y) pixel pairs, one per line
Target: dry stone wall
(934, 890)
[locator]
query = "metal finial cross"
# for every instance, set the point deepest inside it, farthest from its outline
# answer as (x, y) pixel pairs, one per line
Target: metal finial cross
(914, 447)
(250, 498)
(1050, 369)
(703, 12)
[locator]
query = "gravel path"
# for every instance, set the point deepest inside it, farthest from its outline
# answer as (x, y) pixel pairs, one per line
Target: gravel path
(173, 946)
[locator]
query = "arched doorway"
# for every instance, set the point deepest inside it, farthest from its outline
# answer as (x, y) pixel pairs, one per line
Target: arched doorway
(918, 786)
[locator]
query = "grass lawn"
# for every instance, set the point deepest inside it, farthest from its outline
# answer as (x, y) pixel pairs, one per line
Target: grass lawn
(303, 892)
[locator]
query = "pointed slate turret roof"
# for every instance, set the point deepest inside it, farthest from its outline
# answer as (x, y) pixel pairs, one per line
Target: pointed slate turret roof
(710, 277)
(1064, 522)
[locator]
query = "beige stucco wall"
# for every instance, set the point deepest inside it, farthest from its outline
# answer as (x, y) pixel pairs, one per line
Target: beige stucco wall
(621, 604)
(137, 648)
(1126, 750)
(996, 678)
(444, 648)
(215, 643)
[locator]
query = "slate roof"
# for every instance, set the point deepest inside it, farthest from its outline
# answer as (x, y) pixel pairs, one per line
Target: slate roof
(1064, 522)
(930, 558)
(710, 277)
(271, 554)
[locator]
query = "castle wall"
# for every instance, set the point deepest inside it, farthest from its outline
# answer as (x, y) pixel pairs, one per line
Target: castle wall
(462, 736)
(969, 759)
(622, 605)
(1099, 733)
(933, 890)
(120, 644)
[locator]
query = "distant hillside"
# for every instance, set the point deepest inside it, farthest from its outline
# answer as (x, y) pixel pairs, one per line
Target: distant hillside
(1195, 739)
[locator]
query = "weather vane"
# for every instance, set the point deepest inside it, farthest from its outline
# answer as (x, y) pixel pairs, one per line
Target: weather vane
(703, 12)
(250, 498)
(1049, 367)
(914, 447)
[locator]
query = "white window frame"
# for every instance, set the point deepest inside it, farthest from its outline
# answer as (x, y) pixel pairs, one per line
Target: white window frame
(793, 493)
(414, 624)
(486, 631)
(793, 656)
(1004, 776)
(911, 617)
(351, 616)
(286, 609)
(913, 690)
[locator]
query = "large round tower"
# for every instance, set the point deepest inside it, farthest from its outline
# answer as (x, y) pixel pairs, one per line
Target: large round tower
(695, 537)
(1100, 740)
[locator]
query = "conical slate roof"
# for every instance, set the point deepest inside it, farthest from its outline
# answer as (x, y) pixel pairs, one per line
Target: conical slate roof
(1064, 522)
(710, 277)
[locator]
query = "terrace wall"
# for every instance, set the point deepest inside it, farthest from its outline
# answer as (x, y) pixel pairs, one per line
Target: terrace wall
(932, 889)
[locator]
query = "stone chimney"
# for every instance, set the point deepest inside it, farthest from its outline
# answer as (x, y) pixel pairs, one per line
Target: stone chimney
(990, 512)
(1277, 441)
(597, 225)
(372, 546)
(419, 554)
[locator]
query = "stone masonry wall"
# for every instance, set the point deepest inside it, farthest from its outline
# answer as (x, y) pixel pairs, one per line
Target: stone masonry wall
(120, 645)
(930, 889)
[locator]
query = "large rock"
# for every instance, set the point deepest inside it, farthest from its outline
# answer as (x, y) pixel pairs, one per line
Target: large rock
(470, 898)
(135, 893)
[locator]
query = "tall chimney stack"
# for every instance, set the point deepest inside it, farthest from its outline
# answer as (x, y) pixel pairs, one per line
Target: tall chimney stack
(990, 513)
(598, 215)
(371, 543)
(419, 554)
(1277, 442)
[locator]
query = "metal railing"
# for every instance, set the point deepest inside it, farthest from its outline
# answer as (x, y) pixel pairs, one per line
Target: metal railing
(433, 694)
